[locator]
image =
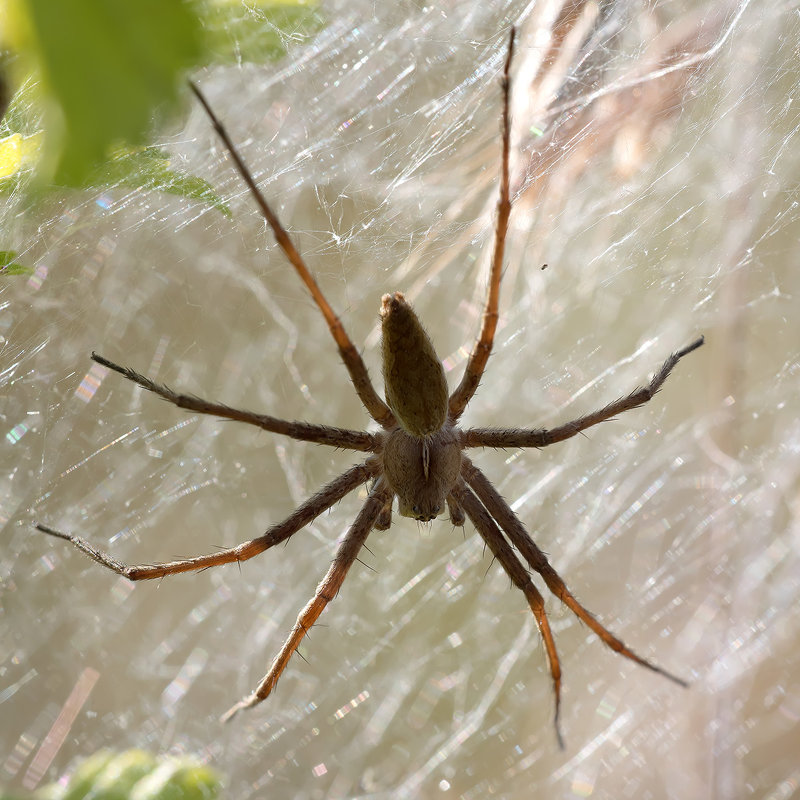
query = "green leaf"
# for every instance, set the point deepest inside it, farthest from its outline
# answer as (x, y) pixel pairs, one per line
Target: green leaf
(8, 266)
(85, 777)
(146, 168)
(107, 65)
(135, 775)
(92, 73)
(117, 777)
(256, 31)
(149, 169)
(177, 779)
(18, 153)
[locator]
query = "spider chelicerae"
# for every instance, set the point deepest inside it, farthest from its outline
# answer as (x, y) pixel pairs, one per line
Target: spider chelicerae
(418, 456)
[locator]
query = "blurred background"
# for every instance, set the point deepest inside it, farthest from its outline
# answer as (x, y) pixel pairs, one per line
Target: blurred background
(655, 169)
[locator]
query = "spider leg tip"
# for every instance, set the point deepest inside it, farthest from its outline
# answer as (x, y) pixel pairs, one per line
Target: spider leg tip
(680, 681)
(232, 712)
(557, 721)
(49, 531)
(97, 358)
(246, 702)
(699, 342)
(199, 95)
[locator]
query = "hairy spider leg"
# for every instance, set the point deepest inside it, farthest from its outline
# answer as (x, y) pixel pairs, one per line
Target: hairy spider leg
(374, 405)
(503, 552)
(304, 431)
(384, 521)
(304, 514)
(346, 554)
(476, 364)
(520, 538)
(539, 437)
(457, 517)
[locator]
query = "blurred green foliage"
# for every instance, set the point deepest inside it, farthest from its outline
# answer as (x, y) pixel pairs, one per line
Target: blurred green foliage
(254, 32)
(96, 76)
(103, 67)
(9, 265)
(132, 775)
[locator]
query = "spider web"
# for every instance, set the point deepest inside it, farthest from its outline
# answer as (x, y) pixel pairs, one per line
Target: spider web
(655, 170)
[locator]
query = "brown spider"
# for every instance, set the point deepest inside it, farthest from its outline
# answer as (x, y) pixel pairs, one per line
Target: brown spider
(418, 456)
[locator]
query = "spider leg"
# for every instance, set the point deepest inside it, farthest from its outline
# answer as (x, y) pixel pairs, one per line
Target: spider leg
(384, 521)
(376, 407)
(527, 437)
(304, 431)
(456, 512)
(519, 537)
(483, 346)
(299, 518)
(503, 552)
(346, 554)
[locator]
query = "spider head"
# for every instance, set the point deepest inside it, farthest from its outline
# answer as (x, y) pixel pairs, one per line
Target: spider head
(421, 471)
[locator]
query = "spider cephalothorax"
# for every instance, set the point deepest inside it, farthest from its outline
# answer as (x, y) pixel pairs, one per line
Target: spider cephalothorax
(417, 456)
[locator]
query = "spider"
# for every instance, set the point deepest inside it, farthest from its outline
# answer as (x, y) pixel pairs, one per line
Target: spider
(419, 454)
